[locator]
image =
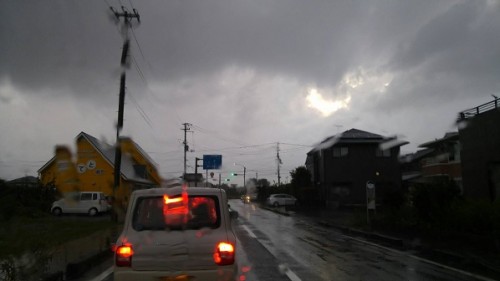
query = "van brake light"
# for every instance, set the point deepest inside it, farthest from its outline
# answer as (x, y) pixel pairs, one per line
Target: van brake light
(224, 253)
(123, 255)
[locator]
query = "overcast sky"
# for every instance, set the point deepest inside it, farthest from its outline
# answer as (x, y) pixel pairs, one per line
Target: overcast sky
(246, 73)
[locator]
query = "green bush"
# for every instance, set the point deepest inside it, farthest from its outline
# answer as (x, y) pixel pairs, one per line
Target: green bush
(25, 201)
(433, 201)
(475, 217)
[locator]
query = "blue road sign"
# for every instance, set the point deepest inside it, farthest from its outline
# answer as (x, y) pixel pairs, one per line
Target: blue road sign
(212, 162)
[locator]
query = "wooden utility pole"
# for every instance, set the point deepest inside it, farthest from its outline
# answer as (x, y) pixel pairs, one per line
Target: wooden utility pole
(126, 24)
(278, 162)
(186, 147)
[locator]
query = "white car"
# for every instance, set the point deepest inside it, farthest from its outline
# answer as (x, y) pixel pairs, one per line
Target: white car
(277, 200)
(87, 202)
(179, 233)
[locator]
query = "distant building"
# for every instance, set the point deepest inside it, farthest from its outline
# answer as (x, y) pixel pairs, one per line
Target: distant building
(444, 161)
(93, 168)
(192, 179)
(438, 161)
(341, 166)
(411, 167)
(27, 181)
(479, 130)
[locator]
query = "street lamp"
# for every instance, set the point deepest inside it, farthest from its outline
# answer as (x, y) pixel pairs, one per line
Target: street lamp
(244, 175)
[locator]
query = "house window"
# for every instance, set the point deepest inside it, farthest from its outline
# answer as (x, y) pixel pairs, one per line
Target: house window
(383, 153)
(340, 151)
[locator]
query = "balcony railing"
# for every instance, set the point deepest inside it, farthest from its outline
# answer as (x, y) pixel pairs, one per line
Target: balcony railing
(469, 113)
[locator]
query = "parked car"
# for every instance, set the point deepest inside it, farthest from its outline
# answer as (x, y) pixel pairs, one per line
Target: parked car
(87, 202)
(277, 200)
(176, 234)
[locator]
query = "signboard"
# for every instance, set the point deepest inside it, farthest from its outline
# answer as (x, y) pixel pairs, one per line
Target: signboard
(212, 162)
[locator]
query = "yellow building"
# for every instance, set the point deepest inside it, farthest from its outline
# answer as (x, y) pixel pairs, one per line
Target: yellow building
(93, 168)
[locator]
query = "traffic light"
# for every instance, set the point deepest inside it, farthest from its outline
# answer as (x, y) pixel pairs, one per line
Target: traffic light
(234, 174)
(228, 179)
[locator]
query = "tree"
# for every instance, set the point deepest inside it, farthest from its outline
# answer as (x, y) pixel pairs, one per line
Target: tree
(301, 177)
(263, 183)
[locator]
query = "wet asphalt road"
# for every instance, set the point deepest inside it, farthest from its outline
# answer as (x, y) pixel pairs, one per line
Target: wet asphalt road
(276, 247)
(312, 252)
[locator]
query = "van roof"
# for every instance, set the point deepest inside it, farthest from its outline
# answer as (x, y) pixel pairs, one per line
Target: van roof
(178, 190)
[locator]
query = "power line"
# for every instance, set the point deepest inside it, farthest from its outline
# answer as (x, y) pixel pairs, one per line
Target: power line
(141, 111)
(140, 50)
(293, 144)
(217, 135)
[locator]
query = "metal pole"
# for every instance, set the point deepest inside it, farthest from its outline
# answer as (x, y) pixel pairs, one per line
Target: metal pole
(244, 177)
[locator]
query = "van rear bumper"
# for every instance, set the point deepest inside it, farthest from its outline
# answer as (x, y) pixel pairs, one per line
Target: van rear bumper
(223, 273)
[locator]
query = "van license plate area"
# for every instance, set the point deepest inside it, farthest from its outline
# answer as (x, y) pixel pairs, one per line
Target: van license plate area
(183, 277)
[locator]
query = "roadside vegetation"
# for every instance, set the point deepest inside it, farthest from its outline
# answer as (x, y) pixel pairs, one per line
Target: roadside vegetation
(438, 214)
(28, 228)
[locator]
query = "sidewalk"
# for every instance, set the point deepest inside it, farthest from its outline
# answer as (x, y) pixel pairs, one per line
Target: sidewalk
(353, 223)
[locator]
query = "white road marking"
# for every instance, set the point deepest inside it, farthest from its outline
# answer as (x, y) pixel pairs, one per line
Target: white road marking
(103, 275)
(289, 273)
(249, 232)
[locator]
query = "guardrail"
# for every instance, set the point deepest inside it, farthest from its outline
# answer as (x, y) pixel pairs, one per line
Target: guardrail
(469, 113)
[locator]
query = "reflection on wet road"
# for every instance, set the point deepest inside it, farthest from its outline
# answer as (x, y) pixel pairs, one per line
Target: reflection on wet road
(277, 244)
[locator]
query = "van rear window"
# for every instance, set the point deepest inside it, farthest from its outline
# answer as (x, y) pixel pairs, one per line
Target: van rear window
(176, 213)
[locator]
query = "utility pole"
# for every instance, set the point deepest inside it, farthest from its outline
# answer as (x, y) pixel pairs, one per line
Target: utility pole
(127, 23)
(279, 162)
(186, 147)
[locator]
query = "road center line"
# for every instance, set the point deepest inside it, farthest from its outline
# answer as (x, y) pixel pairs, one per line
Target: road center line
(293, 277)
(103, 275)
(289, 273)
(249, 232)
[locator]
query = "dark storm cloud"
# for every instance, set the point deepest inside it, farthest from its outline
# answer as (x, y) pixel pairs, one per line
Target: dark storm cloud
(73, 45)
(58, 45)
(453, 55)
(433, 49)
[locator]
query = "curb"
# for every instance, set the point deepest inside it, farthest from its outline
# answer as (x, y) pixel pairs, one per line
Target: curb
(397, 242)
(276, 211)
(442, 256)
(75, 270)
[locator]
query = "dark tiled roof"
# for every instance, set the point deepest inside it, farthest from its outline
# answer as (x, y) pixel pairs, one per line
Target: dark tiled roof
(26, 179)
(359, 134)
(352, 136)
(450, 136)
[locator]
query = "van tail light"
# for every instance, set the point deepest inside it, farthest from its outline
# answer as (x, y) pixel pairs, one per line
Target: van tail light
(123, 255)
(224, 253)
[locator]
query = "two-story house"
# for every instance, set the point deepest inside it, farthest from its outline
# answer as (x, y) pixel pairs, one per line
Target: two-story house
(479, 130)
(93, 168)
(341, 166)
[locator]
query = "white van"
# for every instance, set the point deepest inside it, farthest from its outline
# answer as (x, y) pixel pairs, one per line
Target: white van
(178, 233)
(87, 202)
